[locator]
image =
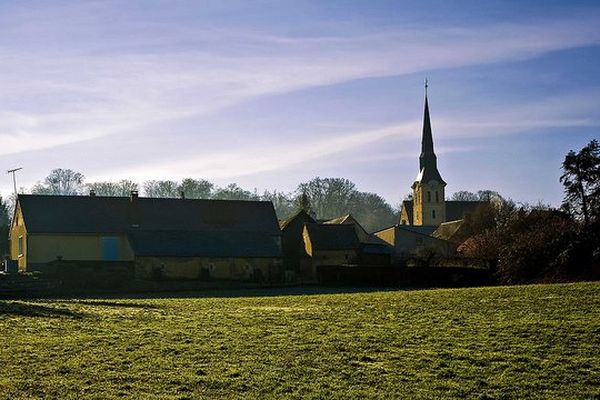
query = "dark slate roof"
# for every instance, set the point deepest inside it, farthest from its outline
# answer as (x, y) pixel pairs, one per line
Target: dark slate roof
(344, 219)
(204, 244)
(421, 229)
(332, 237)
(363, 236)
(87, 214)
(408, 206)
(448, 230)
(456, 210)
(377, 248)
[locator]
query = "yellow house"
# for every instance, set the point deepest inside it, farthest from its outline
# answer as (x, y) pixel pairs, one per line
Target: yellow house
(50, 228)
(373, 250)
(331, 244)
(297, 261)
(410, 240)
(166, 238)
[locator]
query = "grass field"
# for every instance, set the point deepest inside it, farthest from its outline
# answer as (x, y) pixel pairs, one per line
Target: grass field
(538, 341)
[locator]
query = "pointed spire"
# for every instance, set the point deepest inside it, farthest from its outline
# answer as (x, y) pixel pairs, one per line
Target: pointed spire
(428, 160)
(426, 138)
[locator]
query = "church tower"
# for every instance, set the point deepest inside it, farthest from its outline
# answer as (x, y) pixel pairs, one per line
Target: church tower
(429, 207)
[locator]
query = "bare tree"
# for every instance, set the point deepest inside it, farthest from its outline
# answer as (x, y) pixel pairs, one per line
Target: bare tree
(329, 197)
(60, 182)
(464, 195)
(196, 188)
(234, 192)
(117, 189)
(282, 202)
(162, 189)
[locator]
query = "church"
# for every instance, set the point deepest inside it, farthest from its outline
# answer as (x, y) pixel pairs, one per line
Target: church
(428, 220)
(428, 206)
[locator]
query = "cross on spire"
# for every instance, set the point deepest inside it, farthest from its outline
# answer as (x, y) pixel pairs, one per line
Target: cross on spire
(426, 86)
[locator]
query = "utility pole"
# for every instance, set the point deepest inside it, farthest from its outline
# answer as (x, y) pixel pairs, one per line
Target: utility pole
(14, 174)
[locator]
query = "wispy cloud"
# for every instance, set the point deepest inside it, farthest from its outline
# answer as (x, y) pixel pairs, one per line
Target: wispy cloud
(238, 162)
(93, 88)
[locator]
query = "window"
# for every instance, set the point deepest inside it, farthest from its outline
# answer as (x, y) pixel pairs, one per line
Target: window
(21, 245)
(110, 248)
(433, 214)
(429, 197)
(437, 197)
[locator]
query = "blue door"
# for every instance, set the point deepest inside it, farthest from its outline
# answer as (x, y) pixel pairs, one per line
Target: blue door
(110, 249)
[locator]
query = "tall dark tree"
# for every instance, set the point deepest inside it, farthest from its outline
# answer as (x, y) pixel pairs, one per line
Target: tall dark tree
(581, 179)
(303, 203)
(4, 216)
(4, 228)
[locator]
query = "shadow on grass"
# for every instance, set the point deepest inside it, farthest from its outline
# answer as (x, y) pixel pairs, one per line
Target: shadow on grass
(258, 292)
(24, 309)
(107, 303)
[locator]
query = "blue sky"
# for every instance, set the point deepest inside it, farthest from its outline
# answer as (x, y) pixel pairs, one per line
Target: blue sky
(269, 94)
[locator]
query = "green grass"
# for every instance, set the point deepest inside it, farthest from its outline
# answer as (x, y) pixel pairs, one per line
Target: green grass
(539, 341)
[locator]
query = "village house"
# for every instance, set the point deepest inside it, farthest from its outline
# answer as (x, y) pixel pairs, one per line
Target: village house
(373, 250)
(331, 244)
(409, 241)
(164, 238)
(308, 244)
(296, 260)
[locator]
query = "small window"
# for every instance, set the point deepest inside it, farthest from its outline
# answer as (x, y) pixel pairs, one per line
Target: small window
(433, 214)
(437, 197)
(429, 197)
(21, 244)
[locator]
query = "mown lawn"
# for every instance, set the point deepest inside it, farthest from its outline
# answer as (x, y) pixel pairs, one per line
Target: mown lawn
(487, 343)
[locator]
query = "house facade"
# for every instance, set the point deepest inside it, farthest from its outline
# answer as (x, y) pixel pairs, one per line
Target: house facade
(165, 238)
(331, 244)
(410, 240)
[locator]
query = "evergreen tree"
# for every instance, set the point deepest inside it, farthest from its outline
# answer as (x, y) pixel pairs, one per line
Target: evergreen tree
(581, 179)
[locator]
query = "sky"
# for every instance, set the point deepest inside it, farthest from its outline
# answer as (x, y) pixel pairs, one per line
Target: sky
(269, 94)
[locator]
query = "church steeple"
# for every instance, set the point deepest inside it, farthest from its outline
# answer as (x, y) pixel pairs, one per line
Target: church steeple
(429, 207)
(427, 160)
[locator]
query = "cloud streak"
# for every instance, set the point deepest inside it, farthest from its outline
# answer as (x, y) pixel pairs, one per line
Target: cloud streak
(235, 163)
(69, 94)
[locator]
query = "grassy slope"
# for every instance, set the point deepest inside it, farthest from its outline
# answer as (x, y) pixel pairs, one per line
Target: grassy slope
(501, 343)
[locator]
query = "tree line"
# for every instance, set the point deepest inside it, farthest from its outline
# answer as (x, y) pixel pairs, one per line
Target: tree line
(324, 198)
(537, 243)
(528, 243)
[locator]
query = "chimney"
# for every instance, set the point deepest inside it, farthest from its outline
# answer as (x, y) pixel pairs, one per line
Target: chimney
(134, 210)
(92, 193)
